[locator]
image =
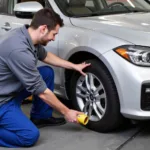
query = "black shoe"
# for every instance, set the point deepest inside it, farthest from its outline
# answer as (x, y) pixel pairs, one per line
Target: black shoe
(48, 122)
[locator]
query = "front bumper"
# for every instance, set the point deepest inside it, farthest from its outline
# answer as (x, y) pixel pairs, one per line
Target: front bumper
(129, 79)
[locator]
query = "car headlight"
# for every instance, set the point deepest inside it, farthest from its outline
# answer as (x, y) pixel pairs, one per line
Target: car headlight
(138, 55)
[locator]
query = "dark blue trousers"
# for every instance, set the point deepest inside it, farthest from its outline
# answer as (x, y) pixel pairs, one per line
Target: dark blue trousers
(16, 130)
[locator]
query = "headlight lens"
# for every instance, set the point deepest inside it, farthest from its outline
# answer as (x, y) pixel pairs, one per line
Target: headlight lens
(138, 55)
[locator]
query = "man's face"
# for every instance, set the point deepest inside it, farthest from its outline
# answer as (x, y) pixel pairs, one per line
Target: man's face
(47, 36)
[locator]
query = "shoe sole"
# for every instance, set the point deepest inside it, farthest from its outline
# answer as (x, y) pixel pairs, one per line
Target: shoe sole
(46, 125)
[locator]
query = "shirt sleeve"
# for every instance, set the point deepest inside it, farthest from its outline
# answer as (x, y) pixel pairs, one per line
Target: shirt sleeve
(42, 53)
(22, 64)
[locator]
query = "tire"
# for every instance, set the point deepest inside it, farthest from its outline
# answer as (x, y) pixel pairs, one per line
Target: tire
(111, 118)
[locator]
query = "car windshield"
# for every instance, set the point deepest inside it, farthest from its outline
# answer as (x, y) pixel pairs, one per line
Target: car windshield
(83, 8)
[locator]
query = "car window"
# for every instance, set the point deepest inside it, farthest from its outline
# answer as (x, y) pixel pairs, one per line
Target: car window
(129, 3)
(113, 1)
(77, 6)
(3, 6)
(89, 3)
(11, 4)
(83, 8)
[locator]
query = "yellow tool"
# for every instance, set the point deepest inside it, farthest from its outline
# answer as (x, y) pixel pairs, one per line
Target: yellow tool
(30, 98)
(83, 119)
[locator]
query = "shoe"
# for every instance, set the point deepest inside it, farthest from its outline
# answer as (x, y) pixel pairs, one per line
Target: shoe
(48, 122)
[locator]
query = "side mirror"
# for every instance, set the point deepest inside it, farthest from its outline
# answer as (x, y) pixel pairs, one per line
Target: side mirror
(27, 9)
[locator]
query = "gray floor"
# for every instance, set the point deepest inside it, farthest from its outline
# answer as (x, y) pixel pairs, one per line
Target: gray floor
(141, 142)
(75, 137)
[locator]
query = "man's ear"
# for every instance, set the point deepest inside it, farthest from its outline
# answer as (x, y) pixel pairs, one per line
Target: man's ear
(43, 29)
(46, 31)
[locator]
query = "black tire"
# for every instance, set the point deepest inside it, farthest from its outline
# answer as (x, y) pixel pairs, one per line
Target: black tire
(112, 117)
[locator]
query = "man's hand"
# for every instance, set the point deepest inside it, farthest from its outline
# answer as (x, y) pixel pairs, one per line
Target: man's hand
(54, 60)
(71, 116)
(80, 67)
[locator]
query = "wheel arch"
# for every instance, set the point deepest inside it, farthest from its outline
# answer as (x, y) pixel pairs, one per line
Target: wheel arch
(78, 57)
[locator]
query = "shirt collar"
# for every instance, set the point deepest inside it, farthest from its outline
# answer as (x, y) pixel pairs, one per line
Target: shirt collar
(24, 29)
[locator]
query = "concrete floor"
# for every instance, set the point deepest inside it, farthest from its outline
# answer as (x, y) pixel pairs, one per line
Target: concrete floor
(141, 141)
(75, 137)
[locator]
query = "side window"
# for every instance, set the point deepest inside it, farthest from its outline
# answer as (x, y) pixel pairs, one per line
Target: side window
(3, 6)
(11, 4)
(111, 1)
(47, 4)
(125, 2)
(130, 3)
(89, 3)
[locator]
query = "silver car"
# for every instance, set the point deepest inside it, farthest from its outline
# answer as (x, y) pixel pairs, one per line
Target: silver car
(114, 36)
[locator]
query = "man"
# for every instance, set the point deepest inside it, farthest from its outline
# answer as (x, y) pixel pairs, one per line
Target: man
(20, 50)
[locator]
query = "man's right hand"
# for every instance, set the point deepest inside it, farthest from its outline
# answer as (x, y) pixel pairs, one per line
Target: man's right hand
(71, 116)
(49, 97)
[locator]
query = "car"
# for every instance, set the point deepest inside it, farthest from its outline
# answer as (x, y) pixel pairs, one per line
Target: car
(112, 35)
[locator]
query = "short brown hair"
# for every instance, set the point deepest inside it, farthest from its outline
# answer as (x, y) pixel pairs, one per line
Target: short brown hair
(47, 17)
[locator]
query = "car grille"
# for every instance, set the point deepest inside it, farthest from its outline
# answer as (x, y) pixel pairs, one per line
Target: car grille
(145, 97)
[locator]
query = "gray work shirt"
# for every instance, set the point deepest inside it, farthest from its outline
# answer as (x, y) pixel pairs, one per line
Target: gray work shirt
(18, 64)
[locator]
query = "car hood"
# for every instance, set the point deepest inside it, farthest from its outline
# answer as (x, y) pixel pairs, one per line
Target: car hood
(131, 27)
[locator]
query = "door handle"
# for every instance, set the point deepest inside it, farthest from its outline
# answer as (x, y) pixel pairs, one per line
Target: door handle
(6, 26)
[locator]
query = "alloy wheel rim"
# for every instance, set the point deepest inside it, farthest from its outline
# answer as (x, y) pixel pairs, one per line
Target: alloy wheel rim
(91, 96)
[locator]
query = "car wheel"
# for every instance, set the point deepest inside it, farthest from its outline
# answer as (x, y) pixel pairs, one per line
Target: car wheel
(95, 94)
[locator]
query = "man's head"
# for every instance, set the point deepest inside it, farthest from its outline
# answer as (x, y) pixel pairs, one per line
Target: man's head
(46, 23)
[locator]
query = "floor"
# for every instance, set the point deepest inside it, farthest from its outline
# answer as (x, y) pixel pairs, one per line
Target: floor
(75, 137)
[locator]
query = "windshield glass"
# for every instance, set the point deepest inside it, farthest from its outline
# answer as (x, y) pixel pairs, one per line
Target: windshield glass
(81, 8)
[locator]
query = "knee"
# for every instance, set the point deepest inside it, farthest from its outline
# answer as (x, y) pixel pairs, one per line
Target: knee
(49, 72)
(29, 138)
(34, 137)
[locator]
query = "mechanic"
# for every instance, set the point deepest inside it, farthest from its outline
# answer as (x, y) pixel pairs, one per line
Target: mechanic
(20, 50)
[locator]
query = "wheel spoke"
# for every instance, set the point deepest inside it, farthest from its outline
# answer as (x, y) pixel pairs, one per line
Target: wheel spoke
(82, 88)
(98, 89)
(91, 82)
(98, 97)
(100, 108)
(90, 109)
(96, 111)
(82, 95)
(87, 83)
(85, 109)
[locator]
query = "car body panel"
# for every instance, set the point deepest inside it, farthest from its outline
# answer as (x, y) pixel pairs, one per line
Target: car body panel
(134, 28)
(128, 79)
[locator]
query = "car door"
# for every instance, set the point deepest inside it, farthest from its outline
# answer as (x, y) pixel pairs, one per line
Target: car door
(3, 13)
(9, 21)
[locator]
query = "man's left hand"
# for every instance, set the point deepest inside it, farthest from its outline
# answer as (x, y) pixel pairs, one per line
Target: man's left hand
(80, 67)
